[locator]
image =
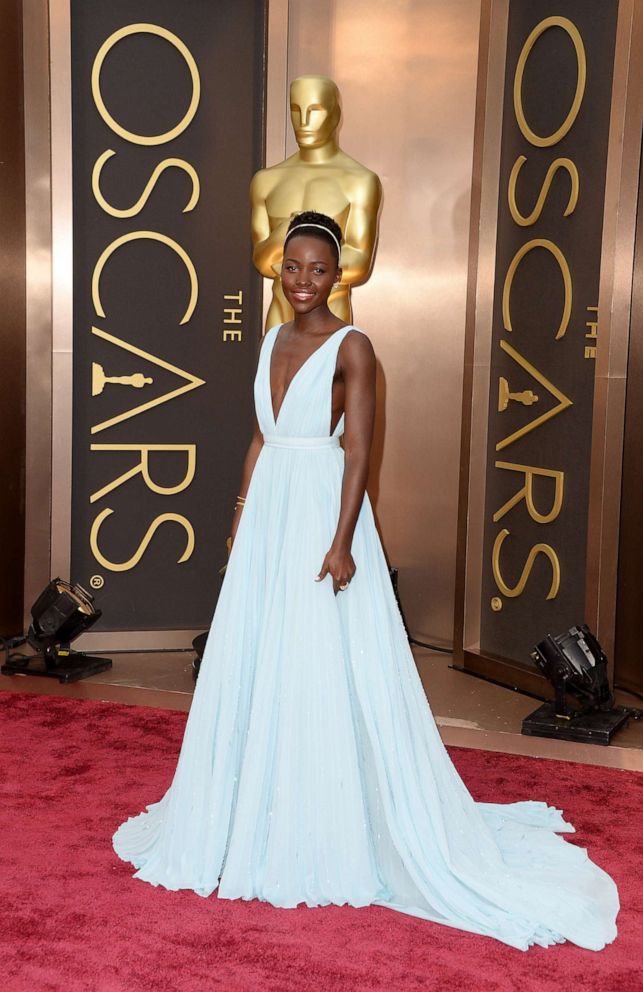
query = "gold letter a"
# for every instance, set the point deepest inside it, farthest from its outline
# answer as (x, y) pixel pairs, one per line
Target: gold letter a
(563, 401)
(192, 381)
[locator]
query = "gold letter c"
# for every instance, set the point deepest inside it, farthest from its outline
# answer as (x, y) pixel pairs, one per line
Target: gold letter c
(151, 236)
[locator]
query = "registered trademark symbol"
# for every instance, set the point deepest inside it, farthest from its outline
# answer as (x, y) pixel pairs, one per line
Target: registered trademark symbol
(97, 582)
(496, 604)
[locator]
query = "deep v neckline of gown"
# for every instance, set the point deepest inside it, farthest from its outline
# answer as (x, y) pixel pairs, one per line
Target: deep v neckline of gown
(299, 370)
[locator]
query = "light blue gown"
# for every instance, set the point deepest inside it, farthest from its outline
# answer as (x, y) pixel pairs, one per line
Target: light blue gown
(312, 770)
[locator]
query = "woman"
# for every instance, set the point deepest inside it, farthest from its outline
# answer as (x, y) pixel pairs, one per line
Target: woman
(311, 769)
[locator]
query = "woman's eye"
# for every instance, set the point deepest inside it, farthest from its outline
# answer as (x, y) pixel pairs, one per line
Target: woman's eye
(291, 268)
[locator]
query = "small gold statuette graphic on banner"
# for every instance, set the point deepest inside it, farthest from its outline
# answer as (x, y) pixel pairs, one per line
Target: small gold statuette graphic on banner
(527, 396)
(99, 379)
(319, 176)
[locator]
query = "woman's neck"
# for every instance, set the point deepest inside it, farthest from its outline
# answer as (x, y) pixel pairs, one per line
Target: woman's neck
(314, 322)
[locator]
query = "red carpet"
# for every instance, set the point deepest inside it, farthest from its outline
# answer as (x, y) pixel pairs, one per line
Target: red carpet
(74, 919)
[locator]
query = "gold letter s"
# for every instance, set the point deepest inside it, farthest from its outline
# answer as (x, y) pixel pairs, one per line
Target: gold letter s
(136, 557)
(526, 572)
(167, 163)
(559, 163)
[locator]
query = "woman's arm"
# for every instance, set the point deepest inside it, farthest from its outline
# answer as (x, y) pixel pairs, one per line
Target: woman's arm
(255, 446)
(358, 366)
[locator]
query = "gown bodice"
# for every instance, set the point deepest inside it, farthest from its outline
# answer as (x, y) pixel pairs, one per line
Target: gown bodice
(306, 409)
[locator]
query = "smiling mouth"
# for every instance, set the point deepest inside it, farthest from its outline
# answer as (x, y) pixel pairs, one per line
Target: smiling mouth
(302, 294)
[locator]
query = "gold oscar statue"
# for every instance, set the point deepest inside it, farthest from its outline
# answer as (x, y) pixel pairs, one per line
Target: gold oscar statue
(320, 176)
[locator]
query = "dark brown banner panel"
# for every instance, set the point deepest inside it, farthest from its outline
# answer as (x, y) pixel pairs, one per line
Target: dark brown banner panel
(557, 94)
(167, 115)
(628, 663)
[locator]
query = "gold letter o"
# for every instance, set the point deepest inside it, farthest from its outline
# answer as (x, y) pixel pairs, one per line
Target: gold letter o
(143, 139)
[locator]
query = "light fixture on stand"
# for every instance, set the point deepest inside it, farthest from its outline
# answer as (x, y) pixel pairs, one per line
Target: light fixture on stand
(576, 666)
(60, 614)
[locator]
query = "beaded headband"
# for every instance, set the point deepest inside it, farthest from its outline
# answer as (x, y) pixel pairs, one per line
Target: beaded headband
(321, 228)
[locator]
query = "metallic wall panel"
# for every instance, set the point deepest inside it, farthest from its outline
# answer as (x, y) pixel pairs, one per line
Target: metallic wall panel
(628, 663)
(38, 329)
(12, 325)
(61, 296)
(47, 76)
(407, 74)
(477, 350)
(615, 308)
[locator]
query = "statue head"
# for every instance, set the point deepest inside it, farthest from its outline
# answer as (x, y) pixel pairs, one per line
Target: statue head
(314, 110)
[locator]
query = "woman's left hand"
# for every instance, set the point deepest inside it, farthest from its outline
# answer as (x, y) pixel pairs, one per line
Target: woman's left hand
(339, 563)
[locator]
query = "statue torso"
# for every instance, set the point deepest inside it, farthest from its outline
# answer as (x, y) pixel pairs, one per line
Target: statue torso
(293, 186)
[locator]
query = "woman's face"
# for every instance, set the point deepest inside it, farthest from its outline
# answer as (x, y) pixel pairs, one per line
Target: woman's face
(308, 272)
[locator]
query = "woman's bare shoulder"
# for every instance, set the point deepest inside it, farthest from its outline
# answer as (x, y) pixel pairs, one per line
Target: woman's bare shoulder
(269, 333)
(357, 348)
(360, 339)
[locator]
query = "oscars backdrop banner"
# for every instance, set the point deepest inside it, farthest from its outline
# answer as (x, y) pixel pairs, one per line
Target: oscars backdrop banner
(552, 184)
(167, 121)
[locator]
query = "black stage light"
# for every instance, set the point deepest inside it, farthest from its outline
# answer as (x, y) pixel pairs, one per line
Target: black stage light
(198, 644)
(576, 666)
(60, 614)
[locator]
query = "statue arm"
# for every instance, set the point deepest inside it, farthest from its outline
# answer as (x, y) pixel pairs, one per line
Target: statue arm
(267, 245)
(360, 235)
